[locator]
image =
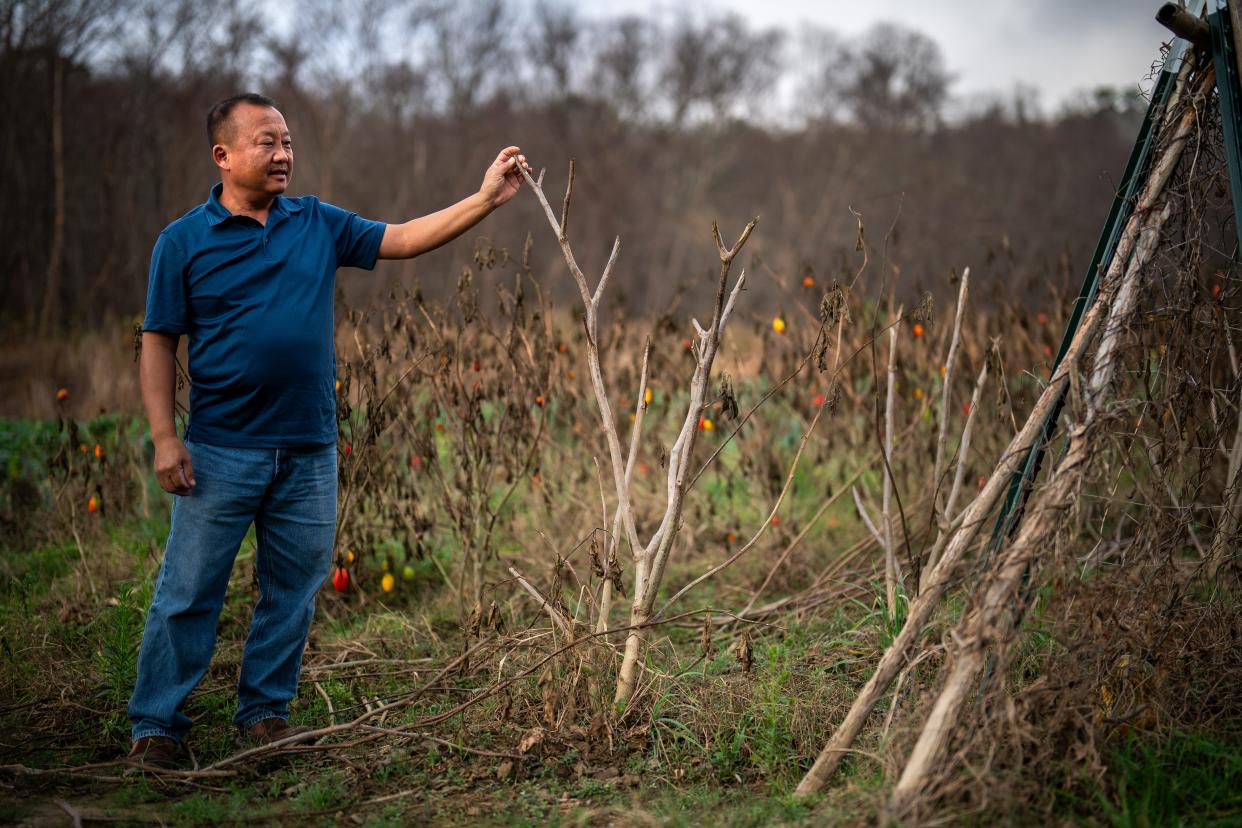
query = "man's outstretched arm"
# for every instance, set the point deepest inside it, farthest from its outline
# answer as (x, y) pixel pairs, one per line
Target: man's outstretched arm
(501, 181)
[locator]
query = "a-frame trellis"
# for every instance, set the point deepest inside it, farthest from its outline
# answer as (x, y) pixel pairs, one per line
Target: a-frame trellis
(1203, 58)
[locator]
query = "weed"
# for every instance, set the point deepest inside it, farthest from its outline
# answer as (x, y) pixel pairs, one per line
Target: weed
(120, 632)
(1184, 779)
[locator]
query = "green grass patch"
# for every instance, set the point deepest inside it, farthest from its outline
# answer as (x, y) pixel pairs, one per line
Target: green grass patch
(1183, 780)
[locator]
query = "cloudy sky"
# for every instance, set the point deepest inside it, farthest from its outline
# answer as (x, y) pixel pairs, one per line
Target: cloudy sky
(1057, 46)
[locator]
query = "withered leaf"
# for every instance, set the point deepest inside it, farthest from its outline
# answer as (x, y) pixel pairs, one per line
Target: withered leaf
(614, 574)
(745, 653)
(476, 617)
(533, 739)
(495, 621)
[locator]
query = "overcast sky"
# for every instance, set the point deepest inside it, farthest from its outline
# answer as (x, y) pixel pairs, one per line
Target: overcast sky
(1057, 46)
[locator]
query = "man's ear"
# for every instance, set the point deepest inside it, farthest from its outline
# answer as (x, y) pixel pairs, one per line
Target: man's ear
(220, 155)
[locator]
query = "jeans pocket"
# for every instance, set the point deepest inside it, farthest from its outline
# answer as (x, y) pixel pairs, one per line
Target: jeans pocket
(230, 468)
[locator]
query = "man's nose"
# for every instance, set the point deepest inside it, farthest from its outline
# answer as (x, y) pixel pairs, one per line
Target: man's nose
(282, 154)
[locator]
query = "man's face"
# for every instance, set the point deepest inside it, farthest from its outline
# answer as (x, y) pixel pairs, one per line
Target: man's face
(255, 152)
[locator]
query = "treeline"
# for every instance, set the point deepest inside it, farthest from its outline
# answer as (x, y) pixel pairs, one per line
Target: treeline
(397, 107)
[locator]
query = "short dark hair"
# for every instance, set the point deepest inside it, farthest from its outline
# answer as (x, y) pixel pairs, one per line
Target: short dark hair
(218, 117)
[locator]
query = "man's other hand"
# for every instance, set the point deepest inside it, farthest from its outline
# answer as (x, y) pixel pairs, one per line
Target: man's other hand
(503, 178)
(173, 467)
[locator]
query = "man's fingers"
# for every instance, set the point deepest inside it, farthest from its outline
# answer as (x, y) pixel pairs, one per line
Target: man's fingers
(168, 482)
(187, 470)
(178, 480)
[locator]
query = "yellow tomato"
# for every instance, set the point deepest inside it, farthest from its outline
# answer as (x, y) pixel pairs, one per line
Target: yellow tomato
(778, 325)
(388, 582)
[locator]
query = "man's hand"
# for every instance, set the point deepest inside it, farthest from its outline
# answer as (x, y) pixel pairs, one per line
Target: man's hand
(417, 236)
(173, 467)
(502, 179)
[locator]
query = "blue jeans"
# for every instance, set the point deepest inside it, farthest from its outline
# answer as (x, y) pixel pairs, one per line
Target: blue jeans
(290, 496)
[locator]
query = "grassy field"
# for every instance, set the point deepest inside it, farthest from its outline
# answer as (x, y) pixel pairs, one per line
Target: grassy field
(471, 454)
(717, 744)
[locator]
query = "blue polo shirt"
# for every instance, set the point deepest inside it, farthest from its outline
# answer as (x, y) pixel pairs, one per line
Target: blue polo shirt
(256, 303)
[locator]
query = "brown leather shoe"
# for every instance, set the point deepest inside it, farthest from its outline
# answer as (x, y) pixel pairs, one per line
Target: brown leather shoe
(272, 730)
(156, 752)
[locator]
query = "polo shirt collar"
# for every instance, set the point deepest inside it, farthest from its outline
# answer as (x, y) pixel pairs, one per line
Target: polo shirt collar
(216, 212)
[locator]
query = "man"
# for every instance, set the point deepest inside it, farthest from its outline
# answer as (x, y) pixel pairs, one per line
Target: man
(249, 276)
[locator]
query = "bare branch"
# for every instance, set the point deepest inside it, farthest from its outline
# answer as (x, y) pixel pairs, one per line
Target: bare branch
(562, 623)
(947, 391)
(728, 308)
(569, 191)
(963, 450)
(603, 280)
(861, 508)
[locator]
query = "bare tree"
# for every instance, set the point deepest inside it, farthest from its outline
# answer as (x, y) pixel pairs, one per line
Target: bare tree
(64, 32)
(558, 30)
(896, 79)
(717, 65)
(469, 44)
(650, 558)
(620, 71)
(820, 69)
